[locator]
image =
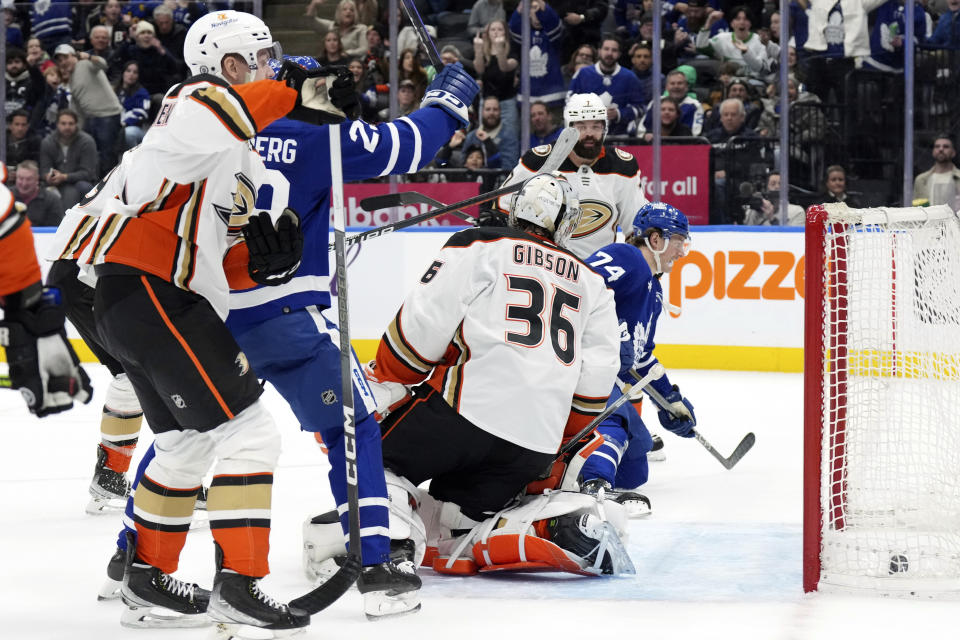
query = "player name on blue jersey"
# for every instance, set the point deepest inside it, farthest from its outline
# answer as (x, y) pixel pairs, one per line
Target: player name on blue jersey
(564, 266)
(283, 150)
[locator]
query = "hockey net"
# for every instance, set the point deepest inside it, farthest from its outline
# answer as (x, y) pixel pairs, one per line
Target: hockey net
(882, 400)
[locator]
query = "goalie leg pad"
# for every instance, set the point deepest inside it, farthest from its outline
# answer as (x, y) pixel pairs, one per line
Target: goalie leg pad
(322, 542)
(405, 521)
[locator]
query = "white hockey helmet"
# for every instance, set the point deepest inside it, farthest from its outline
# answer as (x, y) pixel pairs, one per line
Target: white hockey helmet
(221, 32)
(548, 201)
(581, 107)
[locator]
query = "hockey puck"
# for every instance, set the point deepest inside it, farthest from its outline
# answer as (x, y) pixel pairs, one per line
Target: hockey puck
(898, 564)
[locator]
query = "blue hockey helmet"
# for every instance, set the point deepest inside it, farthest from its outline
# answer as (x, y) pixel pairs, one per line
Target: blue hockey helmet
(306, 62)
(660, 215)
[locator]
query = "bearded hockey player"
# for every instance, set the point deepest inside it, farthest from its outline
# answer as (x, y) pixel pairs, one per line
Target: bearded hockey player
(605, 179)
(632, 269)
(494, 300)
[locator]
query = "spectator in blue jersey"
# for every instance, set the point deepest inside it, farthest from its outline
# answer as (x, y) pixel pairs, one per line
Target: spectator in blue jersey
(546, 32)
(836, 35)
(543, 130)
(10, 23)
(496, 64)
(136, 11)
(135, 100)
(627, 14)
(618, 87)
(632, 269)
(888, 32)
(691, 111)
(641, 61)
(187, 11)
(52, 22)
(947, 33)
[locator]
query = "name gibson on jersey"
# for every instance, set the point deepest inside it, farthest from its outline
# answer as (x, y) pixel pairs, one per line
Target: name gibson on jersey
(564, 266)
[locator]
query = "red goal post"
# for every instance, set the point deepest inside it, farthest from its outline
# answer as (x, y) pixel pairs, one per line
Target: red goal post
(882, 400)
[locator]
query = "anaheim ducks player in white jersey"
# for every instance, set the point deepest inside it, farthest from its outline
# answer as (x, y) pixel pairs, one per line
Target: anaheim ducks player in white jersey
(512, 342)
(606, 179)
(165, 252)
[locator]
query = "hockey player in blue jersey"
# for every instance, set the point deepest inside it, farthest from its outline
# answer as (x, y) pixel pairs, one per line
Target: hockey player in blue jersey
(283, 330)
(632, 270)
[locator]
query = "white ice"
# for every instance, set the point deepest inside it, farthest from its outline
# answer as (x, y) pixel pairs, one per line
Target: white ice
(719, 558)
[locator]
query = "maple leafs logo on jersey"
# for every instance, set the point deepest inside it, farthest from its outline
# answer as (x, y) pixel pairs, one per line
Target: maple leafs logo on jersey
(243, 200)
(641, 333)
(596, 215)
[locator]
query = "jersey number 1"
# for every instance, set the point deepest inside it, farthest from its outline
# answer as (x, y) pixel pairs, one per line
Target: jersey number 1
(561, 329)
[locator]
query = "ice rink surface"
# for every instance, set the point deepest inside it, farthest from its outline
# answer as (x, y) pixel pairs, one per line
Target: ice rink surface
(719, 558)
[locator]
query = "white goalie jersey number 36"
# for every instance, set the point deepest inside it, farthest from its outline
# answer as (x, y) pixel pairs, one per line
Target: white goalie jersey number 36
(523, 318)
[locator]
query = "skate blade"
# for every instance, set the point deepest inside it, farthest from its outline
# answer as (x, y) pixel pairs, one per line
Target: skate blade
(656, 456)
(637, 509)
(319, 572)
(236, 631)
(99, 506)
(379, 606)
(200, 520)
(134, 617)
(109, 590)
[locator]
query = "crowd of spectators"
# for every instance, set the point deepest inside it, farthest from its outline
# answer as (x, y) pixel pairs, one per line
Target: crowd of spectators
(103, 67)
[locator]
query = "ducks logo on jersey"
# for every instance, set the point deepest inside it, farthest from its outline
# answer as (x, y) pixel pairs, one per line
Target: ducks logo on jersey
(596, 215)
(244, 198)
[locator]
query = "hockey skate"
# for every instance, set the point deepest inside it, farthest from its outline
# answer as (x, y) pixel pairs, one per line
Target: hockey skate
(635, 504)
(656, 454)
(108, 488)
(391, 588)
(110, 589)
(242, 610)
(155, 599)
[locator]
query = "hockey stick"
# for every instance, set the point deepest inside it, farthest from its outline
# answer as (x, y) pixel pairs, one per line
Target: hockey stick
(655, 372)
(729, 462)
(428, 45)
(324, 595)
(402, 198)
(5, 382)
(561, 149)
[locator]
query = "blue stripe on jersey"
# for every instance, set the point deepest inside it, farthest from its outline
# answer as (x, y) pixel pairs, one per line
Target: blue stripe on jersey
(297, 157)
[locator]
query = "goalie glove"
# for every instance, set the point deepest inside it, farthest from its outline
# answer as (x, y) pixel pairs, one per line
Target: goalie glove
(43, 365)
(387, 395)
(678, 417)
(308, 78)
(275, 251)
(453, 90)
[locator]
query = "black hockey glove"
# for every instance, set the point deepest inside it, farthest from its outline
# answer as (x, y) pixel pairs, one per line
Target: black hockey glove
(490, 218)
(275, 251)
(43, 365)
(343, 94)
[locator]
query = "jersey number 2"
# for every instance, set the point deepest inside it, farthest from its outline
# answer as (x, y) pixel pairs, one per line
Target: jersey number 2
(561, 329)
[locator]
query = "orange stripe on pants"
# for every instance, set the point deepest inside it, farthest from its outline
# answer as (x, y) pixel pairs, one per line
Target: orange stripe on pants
(245, 549)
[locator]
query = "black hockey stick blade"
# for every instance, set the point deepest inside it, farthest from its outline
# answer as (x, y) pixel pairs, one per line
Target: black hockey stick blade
(330, 591)
(561, 148)
(387, 200)
(731, 461)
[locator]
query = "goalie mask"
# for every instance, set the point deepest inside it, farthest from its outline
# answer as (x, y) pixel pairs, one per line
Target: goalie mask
(549, 202)
(219, 33)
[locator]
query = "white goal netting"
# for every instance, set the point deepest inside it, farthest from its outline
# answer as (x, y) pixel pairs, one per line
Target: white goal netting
(890, 468)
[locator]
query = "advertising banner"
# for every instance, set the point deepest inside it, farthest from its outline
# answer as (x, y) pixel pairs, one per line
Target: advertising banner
(684, 177)
(445, 192)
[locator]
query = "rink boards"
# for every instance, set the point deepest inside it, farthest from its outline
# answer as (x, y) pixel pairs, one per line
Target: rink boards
(739, 293)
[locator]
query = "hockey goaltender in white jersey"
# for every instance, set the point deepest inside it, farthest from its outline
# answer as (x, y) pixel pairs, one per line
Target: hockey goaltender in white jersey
(605, 179)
